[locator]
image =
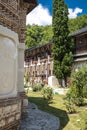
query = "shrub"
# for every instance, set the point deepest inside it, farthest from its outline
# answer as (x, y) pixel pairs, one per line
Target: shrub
(37, 87)
(78, 89)
(26, 78)
(69, 101)
(47, 93)
(40, 86)
(84, 120)
(79, 80)
(85, 92)
(85, 124)
(25, 86)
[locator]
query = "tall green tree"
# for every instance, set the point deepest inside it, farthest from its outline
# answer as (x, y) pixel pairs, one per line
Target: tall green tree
(62, 49)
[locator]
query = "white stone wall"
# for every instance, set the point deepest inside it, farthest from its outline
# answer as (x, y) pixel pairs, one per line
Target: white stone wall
(20, 82)
(79, 64)
(53, 82)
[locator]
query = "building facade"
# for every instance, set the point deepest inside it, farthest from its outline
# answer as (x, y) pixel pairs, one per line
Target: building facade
(80, 50)
(39, 60)
(13, 101)
(39, 63)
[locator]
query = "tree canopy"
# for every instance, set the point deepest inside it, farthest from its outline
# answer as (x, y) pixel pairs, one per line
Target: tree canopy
(37, 35)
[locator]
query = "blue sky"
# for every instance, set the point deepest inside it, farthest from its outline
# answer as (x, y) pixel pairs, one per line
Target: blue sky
(42, 14)
(71, 4)
(46, 4)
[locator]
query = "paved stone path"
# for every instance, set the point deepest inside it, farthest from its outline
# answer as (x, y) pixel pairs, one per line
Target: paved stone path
(39, 120)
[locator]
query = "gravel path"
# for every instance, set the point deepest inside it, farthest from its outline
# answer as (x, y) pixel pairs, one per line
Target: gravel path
(39, 120)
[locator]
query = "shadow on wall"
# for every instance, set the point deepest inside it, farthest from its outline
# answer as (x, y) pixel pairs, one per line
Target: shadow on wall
(44, 105)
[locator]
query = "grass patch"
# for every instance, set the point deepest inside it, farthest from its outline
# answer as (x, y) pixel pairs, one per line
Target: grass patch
(57, 108)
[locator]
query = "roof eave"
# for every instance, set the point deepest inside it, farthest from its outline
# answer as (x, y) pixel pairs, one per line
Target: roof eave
(79, 32)
(33, 4)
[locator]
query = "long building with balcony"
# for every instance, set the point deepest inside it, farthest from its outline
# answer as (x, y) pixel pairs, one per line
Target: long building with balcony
(39, 63)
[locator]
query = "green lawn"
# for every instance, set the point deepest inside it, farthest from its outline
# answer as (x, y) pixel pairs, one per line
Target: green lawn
(57, 108)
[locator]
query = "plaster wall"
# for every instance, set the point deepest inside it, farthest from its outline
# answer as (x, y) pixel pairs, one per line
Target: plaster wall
(8, 62)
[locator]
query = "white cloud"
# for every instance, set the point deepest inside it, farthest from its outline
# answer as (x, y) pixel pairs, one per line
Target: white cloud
(39, 16)
(74, 12)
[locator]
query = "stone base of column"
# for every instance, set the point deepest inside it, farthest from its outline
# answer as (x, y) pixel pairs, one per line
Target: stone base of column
(10, 113)
(12, 126)
(24, 100)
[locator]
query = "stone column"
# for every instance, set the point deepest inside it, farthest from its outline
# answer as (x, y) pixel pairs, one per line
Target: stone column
(21, 49)
(20, 85)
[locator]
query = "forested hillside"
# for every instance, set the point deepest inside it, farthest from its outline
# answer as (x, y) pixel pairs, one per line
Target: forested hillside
(77, 23)
(37, 35)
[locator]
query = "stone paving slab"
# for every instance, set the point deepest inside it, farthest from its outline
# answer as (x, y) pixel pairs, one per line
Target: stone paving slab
(39, 120)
